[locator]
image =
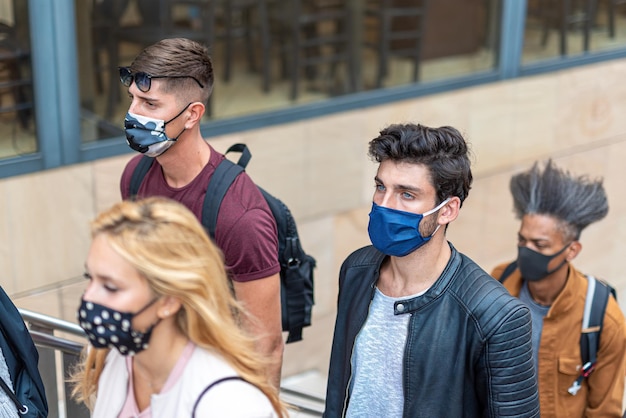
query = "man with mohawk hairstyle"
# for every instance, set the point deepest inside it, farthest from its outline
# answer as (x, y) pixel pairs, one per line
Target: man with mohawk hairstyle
(554, 206)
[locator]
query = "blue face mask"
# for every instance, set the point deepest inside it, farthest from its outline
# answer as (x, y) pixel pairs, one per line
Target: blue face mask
(147, 135)
(395, 232)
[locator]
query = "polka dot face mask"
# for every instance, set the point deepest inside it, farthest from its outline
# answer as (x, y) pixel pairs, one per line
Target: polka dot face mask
(107, 327)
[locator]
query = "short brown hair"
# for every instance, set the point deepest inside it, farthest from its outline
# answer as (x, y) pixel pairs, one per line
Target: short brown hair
(176, 57)
(442, 150)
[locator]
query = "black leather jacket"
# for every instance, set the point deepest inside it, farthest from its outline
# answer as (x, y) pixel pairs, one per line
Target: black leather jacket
(468, 351)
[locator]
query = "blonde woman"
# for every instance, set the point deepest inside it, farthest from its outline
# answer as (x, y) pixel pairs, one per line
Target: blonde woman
(163, 324)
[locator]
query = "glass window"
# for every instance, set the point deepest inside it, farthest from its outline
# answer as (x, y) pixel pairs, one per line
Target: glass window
(17, 124)
(456, 38)
(561, 28)
(270, 54)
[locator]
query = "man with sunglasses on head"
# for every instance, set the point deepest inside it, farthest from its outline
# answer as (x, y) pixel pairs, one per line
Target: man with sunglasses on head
(169, 84)
(554, 207)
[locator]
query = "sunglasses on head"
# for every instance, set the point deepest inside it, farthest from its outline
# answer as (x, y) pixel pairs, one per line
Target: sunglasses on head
(143, 81)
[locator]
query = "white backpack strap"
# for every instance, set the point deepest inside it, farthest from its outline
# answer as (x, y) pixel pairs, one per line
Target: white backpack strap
(593, 315)
(591, 290)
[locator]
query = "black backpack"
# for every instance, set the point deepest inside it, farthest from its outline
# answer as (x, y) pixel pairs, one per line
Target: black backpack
(598, 293)
(296, 267)
(21, 358)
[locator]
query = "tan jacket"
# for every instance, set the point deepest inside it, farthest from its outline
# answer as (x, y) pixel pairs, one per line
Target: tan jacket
(559, 354)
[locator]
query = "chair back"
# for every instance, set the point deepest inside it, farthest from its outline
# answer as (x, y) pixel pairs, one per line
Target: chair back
(15, 84)
(316, 39)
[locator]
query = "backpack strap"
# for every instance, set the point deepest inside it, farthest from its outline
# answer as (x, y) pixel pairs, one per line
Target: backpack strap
(593, 316)
(244, 159)
(139, 173)
(221, 180)
(21, 408)
(508, 271)
(206, 389)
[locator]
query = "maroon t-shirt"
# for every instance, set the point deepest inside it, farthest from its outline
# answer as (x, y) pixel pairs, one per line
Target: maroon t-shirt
(245, 231)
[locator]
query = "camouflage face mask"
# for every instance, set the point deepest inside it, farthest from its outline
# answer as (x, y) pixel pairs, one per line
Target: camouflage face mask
(147, 135)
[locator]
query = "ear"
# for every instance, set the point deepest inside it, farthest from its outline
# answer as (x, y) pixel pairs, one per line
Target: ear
(168, 307)
(196, 110)
(449, 211)
(573, 250)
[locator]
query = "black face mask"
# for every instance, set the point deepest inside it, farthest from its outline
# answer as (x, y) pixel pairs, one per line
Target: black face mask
(107, 327)
(534, 265)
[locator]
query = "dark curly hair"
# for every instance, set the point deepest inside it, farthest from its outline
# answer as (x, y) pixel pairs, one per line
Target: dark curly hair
(443, 150)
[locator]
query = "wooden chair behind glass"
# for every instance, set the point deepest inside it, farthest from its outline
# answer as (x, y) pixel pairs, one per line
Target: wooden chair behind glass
(565, 16)
(15, 82)
(314, 43)
(395, 28)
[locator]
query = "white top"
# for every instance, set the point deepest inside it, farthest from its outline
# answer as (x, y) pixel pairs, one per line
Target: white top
(376, 384)
(232, 398)
(7, 407)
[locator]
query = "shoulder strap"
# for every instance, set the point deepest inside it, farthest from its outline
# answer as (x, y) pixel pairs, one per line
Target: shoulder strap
(593, 315)
(206, 389)
(21, 408)
(244, 159)
(221, 180)
(139, 173)
(507, 271)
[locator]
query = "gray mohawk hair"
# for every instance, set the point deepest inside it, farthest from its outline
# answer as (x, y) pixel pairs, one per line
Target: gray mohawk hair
(575, 201)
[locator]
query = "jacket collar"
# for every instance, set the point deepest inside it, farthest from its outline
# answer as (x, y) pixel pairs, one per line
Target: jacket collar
(574, 286)
(412, 304)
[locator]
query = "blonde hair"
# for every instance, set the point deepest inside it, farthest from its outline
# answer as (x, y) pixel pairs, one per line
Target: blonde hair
(167, 245)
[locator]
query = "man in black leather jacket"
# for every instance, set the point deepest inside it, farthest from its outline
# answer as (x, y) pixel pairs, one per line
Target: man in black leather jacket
(421, 330)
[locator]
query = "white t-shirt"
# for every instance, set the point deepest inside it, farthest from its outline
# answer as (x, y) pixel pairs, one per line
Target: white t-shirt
(376, 384)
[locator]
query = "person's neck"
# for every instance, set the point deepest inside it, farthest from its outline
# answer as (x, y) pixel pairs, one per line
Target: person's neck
(154, 364)
(546, 290)
(415, 273)
(185, 160)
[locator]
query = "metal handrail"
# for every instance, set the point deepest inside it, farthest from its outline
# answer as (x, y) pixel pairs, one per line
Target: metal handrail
(299, 407)
(303, 401)
(53, 342)
(50, 322)
(43, 330)
(303, 394)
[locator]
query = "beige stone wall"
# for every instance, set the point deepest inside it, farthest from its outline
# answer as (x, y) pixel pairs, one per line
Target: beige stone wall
(320, 169)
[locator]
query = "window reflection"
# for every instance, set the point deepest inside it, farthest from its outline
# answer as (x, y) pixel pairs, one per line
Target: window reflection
(557, 28)
(17, 125)
(254, 50)
(339, 44)
(457, 37)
